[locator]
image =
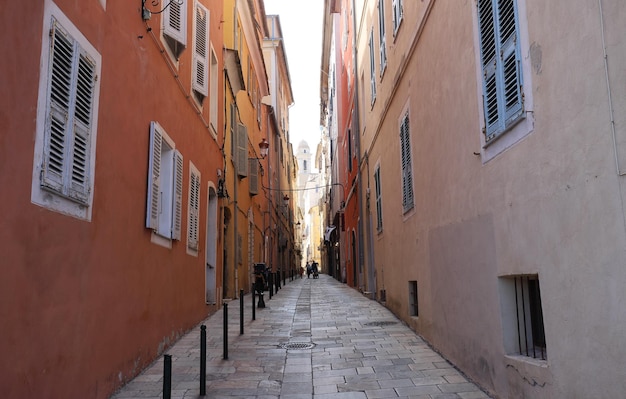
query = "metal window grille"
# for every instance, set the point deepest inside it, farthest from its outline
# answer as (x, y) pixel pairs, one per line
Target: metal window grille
(530, 330)
(413, 302)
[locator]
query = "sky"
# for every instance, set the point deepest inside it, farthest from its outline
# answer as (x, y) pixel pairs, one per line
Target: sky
(302, 22)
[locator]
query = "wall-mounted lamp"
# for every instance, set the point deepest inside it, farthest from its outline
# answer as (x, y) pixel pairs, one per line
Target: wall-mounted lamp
(264, 146)
(147, 14)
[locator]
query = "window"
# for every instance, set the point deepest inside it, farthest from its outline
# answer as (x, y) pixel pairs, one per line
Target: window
(67, 119)
(194, 208)
(200, 63)
(372, 68)
(413, 302)
(175, 26)
(253, 176)
(503, 101)
(349, 150)
(165, 185)
(397, 13)
(523, 316)
(407, 172)
(381, 36)
(241, 159)
(304, 163)
(379, 204)
(214, 91)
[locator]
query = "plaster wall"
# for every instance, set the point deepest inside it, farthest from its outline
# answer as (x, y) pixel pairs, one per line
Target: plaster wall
(551, 204)
(87, 304)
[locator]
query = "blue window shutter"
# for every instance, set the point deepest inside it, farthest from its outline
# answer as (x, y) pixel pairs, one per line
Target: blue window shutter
(500, 58)
(510, 53)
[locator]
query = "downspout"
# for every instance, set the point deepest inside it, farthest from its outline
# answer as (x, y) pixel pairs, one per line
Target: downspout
(611, 114)
(357, 128)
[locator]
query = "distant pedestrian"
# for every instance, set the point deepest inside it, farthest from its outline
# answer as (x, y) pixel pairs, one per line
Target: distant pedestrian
(309, 270)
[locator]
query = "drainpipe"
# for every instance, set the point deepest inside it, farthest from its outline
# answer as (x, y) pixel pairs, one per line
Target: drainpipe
(357, 128)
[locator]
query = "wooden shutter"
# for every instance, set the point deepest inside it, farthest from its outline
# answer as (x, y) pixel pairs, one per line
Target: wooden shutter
(154, 178)
(68, 124)
(79, 186)
(201, 51)
(194, 211)
(379, 207)
(253, 176)
(500, 54)
(407, 174)
(62, 49)
(177, 204)
(381, 31)
(242, 150)
(511, 80)
(174, 18)
(372, 68)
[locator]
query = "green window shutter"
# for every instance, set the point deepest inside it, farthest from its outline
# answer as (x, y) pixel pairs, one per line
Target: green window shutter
(201, 51)
(177, 204)
(154, 178)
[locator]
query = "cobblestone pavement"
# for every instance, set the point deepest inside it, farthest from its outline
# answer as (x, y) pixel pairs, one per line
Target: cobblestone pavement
(316, 338)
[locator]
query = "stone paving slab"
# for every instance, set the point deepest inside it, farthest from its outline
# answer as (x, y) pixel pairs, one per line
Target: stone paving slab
(360, 351)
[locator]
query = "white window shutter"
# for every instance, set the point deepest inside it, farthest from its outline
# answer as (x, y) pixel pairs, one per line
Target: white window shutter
(253, 176)
(201, 50)
(177, 204)
(154, 178)
(194, 211)
(79, 175)
(175, 21)
(59, 94)
(242, 150)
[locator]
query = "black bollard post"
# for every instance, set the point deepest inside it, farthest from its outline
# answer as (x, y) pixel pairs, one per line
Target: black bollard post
(167, 376)
(240, 312)
(270, 283)
(225, 331)
(202, 360)
(253, 303)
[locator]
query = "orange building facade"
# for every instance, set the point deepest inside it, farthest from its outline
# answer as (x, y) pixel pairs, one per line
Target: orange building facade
(112, 129)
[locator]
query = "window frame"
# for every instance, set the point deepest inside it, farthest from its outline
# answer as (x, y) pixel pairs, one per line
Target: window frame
(372, 68)
(163, 203)
(200, 64)
(521, 125)
(378, 197)
(397, 15)
(69, 195)
(174, 28)
(382, 41)
(406, 163)
(193, 209)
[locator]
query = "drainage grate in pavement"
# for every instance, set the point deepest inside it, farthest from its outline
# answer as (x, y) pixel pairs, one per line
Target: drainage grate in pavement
(297, 345)
(380, 323)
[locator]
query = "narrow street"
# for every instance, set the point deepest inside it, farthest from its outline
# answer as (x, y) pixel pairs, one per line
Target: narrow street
(315, 338)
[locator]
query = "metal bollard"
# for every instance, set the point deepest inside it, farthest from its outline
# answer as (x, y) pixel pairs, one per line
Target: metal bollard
(225, 331)
(167, 376)
(202, 360)
(270, 283)
(240, 312)
(253, 302)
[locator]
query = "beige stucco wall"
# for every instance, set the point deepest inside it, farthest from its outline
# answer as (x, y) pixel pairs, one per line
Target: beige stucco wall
(551, 204)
